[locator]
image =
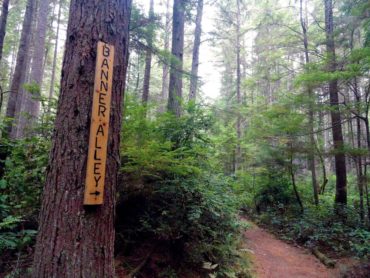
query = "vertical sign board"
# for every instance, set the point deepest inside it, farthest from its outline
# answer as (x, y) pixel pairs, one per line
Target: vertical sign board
(97, 155)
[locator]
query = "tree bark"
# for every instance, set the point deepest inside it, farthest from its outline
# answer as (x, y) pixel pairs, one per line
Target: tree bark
(148, 55)
(3, 20)
(20, 67)
(195, 60)
(340, 160)
(175, 87)
(73, 240)
(32, 103)
(311, 157)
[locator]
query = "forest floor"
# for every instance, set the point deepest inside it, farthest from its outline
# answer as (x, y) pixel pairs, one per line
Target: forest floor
(274, 258)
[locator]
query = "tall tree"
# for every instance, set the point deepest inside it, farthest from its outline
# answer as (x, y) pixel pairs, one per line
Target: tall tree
(175, 87)
(238, 87)
(20, 67)
(53, 69)
(3, 20)
(148, 55)
(340, 160)
(32, 104)
(195, 61)
(312, 165)
(73, 240)
(165, 67)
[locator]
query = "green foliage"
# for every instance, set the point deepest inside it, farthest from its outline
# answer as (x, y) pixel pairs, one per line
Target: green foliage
(165, 144)
(13, 239)
(183, 204)
(321, 227)
(276, 192)
(24, 175)
(20, 190)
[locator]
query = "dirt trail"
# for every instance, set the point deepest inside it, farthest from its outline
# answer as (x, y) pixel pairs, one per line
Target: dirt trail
(273, 258)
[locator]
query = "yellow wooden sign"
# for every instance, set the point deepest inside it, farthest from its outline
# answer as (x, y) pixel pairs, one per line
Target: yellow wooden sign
(97, 155)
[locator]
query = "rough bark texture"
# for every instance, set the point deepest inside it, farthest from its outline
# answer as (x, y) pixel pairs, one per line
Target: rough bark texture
(20, 67)
(340, 160)
(148, 55)
(196, 47)
(73, 240)
(312, 148)
(175, 87)
(3, 20)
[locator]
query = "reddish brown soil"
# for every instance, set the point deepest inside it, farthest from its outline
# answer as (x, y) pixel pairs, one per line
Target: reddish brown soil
(273, 258)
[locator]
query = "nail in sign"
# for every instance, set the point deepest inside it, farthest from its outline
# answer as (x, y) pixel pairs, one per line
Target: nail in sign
(97, 155)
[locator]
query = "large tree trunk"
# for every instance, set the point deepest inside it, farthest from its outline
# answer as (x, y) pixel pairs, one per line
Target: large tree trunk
(73, 240)
(148, 55)
(3, 20)
(195, 61)
(340, 160)
(312, 148)
(175, 87)
(31, 102)
(52, 79)
(20, 68)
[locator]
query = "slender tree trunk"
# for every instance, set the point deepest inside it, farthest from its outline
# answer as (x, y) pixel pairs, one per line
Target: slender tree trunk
(291, 170)
(310, 112)
(367, 192)
(340, 160)
(55, 55)
(3, 20)
(73, 240)
(323, 167)
(360, 175)
(175, 87)
(238, 87)
(137, 91)
(165, 68)
(320, 153)
(20, 67)
(195, 61)
(148, 55)
(367, 128)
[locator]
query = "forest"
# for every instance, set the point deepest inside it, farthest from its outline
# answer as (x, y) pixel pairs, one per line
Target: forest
(184, 138)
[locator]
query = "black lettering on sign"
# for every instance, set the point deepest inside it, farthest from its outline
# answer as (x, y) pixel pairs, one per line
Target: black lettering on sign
(98, 142)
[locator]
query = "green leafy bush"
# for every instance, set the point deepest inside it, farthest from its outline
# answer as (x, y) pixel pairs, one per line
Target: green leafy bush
(170, 197)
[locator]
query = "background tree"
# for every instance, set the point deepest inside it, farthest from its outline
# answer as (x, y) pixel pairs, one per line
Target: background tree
(195, 58)
(340, 160)
(15, 96)
(176, 71)
(4, 18)
(148, 55)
